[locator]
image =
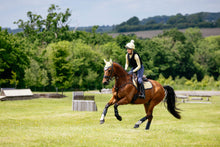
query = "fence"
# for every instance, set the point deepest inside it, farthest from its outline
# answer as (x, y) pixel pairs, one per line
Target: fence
(83, 103)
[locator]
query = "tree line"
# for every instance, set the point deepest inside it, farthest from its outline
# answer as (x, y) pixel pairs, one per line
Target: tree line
(47, 55)
(201, 20)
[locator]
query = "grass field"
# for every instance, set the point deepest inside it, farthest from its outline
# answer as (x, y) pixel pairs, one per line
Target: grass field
(51, 122)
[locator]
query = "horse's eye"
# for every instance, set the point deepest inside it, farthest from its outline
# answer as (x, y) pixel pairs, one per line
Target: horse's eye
(109, 71)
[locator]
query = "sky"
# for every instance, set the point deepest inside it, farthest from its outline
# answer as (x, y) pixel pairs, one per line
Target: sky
(102, 12)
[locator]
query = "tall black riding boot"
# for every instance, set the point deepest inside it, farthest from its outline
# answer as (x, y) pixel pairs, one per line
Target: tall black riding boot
(142, 91)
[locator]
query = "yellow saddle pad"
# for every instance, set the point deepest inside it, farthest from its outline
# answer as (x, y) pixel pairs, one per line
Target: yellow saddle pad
(147, 85)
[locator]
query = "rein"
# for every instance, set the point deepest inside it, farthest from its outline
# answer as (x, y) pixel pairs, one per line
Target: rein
(121, 86)
(117, 88)
(116, 78)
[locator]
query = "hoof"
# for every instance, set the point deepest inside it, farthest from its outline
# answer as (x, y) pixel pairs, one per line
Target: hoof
(136, 126)
(147, 128)
(119, 118)
(102, 121)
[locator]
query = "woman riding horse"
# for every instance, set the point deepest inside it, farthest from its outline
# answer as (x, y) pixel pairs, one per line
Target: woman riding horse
(124, 91)
(134, 60)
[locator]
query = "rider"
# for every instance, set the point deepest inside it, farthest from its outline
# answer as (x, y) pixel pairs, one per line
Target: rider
(133, 59)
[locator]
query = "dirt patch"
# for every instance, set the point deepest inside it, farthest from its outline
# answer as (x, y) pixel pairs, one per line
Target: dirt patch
(35, 96)
(50, 95)
(152, 33)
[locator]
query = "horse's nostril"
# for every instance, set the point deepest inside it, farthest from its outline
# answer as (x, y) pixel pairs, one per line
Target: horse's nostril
(105, 83)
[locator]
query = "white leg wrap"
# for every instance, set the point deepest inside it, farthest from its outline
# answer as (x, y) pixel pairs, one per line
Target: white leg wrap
(102, 117)
(139, 122)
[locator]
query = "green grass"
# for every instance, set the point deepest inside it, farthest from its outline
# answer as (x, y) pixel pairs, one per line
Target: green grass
(51, 122)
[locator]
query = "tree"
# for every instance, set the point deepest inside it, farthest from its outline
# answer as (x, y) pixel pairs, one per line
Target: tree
(32, 26)
(133, 21)
(46, 30)
(214, 64)
(122, 40)
(174, 20)
(91, 79)
(13, 60)
(94, 38)
(57, 21)
(162, 57)
(14, 80)
(193, 35)
(172, 57)
(218, 23)
(112, 51)
(207, 55)
(60, 65)
(86, 63)
(35, 76)
(175, 34)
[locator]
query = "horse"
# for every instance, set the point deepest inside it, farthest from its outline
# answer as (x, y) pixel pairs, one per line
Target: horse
(124, 92)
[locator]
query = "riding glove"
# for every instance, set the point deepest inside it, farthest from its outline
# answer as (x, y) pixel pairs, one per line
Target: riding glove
(130, 72)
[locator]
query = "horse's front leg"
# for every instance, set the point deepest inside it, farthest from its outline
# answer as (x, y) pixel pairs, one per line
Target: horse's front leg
(102, 119)
(116, 112)
(120, 102)
(111, 102)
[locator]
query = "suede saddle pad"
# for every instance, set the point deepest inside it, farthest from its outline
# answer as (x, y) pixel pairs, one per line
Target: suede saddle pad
(147, 84)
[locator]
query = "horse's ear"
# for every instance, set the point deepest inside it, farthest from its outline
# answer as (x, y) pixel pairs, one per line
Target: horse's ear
(111, 61)
(105, 61)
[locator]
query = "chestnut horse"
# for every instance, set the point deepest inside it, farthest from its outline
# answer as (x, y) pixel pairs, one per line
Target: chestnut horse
(124, 92)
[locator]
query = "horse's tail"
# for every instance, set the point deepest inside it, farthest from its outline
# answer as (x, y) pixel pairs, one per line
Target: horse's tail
(170, 99)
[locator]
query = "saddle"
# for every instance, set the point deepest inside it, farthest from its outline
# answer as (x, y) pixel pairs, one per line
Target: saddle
(147, 84)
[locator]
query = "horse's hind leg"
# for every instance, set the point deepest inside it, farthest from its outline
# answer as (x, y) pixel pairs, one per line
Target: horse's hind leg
(149, 110)
(149, 122)
(144, 118)
(140, 122)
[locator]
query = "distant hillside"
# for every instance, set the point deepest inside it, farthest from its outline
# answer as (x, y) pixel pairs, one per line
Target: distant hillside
(200, 20)
(197, 17)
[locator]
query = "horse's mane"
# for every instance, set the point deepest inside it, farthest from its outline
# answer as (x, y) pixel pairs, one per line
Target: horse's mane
(120, 67)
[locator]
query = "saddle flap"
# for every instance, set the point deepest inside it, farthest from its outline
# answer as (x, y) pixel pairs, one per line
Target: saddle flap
(134, 80)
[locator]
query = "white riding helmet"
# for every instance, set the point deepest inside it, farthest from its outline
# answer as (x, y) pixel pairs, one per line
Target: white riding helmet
(130, 45)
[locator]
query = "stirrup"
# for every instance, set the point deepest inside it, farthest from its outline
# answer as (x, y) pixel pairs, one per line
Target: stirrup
(142, 96)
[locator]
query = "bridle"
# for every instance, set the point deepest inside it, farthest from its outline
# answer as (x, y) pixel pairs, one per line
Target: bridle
(108, 78)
